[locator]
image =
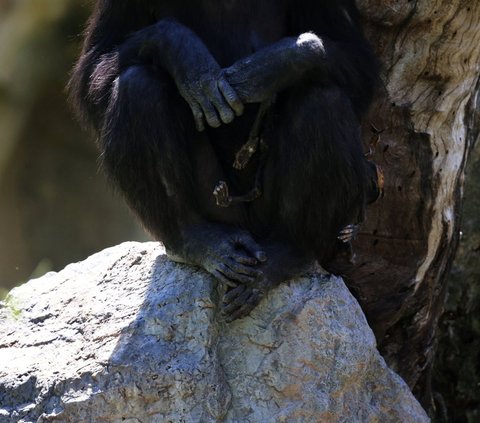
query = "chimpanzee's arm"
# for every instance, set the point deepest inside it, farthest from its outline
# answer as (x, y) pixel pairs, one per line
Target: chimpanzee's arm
(266, 72)
(196, 73)
(166, 44)
(326, 46)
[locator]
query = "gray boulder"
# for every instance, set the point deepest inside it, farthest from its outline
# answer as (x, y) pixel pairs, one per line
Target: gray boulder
(129, 336)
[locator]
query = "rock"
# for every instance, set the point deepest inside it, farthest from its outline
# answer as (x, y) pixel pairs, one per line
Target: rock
(128, 335)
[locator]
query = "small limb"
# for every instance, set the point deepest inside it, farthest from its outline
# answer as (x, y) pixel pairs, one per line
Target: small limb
(251, 146)
(250, 196)
(245, 153)
(221, 191)
(240, 301)
(224, 199)
(222, 195)
(345, 249)
(348, 233)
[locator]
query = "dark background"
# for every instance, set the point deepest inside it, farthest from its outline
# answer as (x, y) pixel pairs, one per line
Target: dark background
(55, 205)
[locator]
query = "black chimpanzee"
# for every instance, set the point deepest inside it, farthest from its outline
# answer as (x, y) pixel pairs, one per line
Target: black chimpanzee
(263, 95)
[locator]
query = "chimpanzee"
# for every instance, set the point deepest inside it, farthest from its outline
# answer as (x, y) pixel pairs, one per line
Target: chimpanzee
(232, 128)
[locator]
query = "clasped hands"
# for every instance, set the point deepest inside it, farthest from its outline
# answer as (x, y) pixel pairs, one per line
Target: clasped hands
(216, 96)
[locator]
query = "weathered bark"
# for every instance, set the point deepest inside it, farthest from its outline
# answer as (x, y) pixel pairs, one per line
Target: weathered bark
(430, 51)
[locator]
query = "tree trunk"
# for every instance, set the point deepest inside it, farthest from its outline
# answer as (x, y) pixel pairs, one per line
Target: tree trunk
(430, 52)
(457, 364)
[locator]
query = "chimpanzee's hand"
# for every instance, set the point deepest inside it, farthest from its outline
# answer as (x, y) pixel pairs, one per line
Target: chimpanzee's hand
(208, 94)
(198, 76)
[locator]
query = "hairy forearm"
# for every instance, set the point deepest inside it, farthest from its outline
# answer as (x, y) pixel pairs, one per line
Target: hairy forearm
(174, 47)
(166, 44)
(162, 44)
(180, 52)
(276, 67)
(267, 72)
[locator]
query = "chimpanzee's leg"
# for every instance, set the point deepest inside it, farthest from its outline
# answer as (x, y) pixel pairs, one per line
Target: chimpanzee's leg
(167, 170)
(314, 186)
(320, 173)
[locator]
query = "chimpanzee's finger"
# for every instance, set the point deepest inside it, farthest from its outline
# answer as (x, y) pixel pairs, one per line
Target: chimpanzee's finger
(246, 270)
(209, 111)
(238, 302)
(224, 110)
(231, 96)
(237, 277)
(246, 308)
(249, 244)
(247, 260)
(197, 115)
(233, 293)
(223, 279)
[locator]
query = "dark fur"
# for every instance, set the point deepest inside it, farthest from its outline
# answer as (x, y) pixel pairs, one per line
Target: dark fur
(315, 176)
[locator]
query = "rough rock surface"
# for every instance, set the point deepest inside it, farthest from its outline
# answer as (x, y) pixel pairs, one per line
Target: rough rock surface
(127, 335)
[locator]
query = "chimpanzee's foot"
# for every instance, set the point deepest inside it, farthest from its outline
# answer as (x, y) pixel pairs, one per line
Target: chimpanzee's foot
(283, 264)
(229, 254)
(240, 301)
